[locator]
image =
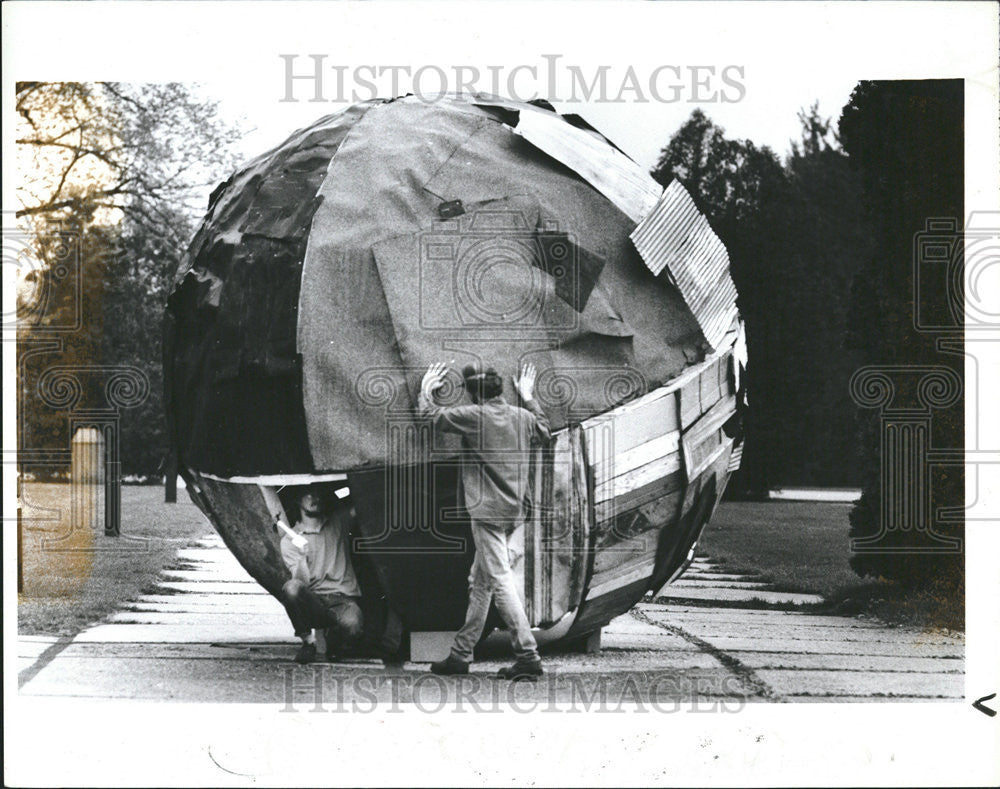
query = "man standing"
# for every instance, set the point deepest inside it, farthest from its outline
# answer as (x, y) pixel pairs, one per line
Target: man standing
(496, 442)
(323, 590)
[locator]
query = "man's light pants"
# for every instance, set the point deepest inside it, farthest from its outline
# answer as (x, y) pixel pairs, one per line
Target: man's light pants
(492, 579)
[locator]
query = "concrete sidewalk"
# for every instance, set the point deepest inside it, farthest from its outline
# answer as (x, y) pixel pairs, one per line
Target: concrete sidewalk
(706, 582)
(210, 633)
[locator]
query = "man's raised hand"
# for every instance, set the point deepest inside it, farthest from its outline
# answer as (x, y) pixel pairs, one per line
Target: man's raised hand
(525, 385)
(433, 379)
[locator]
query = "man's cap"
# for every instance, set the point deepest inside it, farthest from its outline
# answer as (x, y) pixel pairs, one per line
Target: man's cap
(473, 373)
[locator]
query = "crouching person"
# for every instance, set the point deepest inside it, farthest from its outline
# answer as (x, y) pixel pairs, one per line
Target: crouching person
(323, 591)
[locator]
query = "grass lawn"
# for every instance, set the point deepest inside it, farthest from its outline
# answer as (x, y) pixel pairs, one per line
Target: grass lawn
(796, 545)
(805, 547)
(84, 576)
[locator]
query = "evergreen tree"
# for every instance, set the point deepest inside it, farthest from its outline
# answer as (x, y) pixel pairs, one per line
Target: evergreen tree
(906, 140)
(795, 232)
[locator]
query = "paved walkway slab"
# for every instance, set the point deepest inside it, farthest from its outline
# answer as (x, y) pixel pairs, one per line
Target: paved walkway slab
(229, 607)
(849, 662)
(254, 630)
(728, 595)
(763, 615)
(213, 587)
(205, 572)
(712, 583)
(818, 632)
(709, 575)
(792, 683)
(218, 618)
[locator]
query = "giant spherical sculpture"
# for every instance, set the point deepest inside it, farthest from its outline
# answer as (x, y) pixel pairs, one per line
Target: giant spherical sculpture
(332, 270)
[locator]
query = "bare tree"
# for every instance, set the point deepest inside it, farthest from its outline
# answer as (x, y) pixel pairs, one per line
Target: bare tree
(123, 170)
(98, 151)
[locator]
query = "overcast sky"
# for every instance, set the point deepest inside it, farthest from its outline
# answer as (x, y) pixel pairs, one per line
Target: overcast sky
(753, 71)
(749, 66)
(641, 128)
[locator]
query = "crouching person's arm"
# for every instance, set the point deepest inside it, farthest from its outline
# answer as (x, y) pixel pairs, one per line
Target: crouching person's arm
(295, 558)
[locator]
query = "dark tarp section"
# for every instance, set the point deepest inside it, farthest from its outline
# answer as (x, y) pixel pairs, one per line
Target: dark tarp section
(235, 381)
(421, 558)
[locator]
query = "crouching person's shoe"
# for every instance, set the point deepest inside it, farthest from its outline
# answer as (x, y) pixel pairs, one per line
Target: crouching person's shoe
(450, 665)
(522, 669)
(306, 654)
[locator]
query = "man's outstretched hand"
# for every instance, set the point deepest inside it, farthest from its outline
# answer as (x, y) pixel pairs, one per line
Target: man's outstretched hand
(433, 379)
(525, 385)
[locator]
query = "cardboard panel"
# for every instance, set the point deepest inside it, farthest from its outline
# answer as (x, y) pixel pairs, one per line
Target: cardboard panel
(709, 384)
(701, 444)
(689, 398)
(627, 428)
(558, 532)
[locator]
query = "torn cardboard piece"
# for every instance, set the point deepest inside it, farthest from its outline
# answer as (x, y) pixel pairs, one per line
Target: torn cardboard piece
(632, 190)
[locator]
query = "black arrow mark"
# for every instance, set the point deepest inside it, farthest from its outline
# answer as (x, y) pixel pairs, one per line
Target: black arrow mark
(978, 704)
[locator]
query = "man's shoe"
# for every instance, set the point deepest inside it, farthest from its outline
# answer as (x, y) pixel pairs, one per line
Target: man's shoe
(392, 661)
(522, 669)
(450, 665)
(306, 654)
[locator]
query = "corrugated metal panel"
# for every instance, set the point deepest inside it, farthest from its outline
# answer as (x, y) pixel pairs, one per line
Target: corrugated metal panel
(609, 171)
(676, 239)
(736, 458)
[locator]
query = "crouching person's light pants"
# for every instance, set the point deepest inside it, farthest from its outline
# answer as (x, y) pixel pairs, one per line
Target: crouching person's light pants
(492, 579)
